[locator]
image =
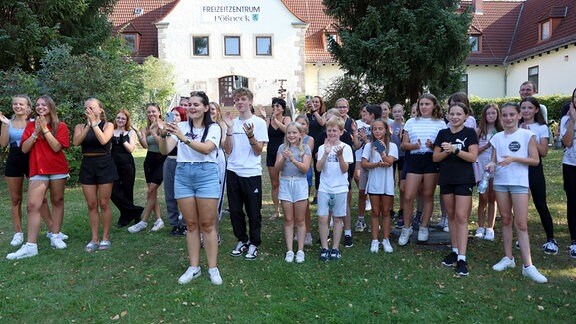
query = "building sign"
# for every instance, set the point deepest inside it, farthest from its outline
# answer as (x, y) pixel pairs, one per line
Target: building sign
(231, 11)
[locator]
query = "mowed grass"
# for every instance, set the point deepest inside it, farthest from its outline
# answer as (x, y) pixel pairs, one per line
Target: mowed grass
(136, 281)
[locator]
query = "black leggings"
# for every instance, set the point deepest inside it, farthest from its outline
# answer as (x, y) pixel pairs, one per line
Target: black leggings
(538, 190)
(569, 175)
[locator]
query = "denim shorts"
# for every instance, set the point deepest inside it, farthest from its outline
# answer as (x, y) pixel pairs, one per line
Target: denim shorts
(293, 189)
(48, 177)
(513, 189)
(196, 180)
(335, 202)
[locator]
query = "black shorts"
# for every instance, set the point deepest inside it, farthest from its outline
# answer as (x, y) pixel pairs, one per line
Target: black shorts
(17, 163)
(351, 169)
(457, 189)
(154, 167)
(96, 170)
(399, 166)
(271, 158)
(422, 164)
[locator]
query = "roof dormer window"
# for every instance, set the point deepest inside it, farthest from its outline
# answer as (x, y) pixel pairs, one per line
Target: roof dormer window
(545, 30)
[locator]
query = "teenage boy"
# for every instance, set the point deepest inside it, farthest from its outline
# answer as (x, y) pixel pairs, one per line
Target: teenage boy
(245, 138)
(334, 158)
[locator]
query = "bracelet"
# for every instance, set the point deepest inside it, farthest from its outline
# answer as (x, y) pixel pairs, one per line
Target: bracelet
(93, 124)
(46, 132)
(228, 134)
(457, 151)
(34, 136)
(249, 137)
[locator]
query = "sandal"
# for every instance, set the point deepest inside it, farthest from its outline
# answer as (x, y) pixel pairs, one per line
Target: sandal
(91, 247)
(105, 245)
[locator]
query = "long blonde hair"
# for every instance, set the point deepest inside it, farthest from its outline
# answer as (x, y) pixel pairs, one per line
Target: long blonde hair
(54, 121)
(300, 143)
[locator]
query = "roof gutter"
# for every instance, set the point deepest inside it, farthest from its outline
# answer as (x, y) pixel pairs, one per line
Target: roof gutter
(505, 63)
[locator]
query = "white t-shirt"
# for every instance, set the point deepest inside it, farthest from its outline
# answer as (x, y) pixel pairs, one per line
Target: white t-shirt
(332, 179)
(541, 131)
(381, 179)
(188, 154)
(362, 126)
(515, 144)
(569, 152)
(242, 160)
(423, 129)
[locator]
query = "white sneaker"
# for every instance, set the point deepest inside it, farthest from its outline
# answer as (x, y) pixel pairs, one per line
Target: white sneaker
(191, 273)
(308, 239)
(480, 232)
(61, 235)
(300, 256)
(446, 228)
(572, 252)
(404, 236)
(26, 251)
(532, 273)
(57, 243)
(387, 246)
(368, 205)
(214, 275)
(138, 227)
(17, 239)
(505, 263)
(374, 246)
(489, 234)
(289, 257)
(158, 225)
(423, 234)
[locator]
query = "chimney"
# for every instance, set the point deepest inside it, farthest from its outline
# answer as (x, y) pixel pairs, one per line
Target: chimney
(478, 6)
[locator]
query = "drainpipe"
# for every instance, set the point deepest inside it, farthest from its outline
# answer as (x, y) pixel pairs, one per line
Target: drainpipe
(318, 78)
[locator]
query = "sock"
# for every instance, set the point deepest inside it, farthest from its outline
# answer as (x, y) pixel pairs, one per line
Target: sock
(361, 217)
(374, 241)
(461, 257)
(348, 232)
(31, 244)
(455, 250)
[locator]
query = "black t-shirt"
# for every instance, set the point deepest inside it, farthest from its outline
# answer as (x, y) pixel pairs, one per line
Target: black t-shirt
(454, 170)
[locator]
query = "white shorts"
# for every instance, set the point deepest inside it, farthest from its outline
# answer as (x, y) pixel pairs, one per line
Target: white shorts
(335, 202)
(293, 189)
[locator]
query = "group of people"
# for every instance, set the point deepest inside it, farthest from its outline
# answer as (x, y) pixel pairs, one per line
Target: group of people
(200, 153)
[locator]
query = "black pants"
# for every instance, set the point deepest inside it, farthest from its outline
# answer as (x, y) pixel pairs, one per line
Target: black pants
(569, 175)
(123, 189)
(245, 192)
(538, 190)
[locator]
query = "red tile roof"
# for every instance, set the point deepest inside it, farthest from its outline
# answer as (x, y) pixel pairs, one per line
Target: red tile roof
(533, 13)
(312, 12)
(496, 27)
(124, 16)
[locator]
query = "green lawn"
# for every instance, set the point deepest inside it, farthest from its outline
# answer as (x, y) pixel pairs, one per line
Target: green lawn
(136, 281)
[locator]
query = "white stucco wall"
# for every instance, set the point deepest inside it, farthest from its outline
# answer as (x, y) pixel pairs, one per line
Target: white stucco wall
(198, 17)
(556, 72)
(320, 76)
(485, 81)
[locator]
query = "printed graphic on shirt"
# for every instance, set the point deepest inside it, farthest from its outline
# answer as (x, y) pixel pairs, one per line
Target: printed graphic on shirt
(514, 146)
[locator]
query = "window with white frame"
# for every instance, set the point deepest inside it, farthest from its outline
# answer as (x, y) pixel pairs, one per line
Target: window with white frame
(232, 45)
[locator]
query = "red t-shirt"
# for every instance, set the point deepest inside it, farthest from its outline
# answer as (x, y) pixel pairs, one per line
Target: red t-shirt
(43, 160)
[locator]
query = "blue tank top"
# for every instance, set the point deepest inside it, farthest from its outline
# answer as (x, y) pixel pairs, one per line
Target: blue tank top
(152, 145)
(14, 135)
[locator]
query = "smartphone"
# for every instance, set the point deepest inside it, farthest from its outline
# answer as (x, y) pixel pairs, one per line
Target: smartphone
(170, 117)
(380, 148)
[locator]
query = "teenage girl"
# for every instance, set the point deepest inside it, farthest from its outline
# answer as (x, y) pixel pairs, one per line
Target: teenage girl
(97, 171)
(307, 140)
(216, 115)
(514, 150)
(490, 124)
(378, 160)
(293, 161)
(16, 166)
(569, 169)
(316, 122)
(456, 149)
(153, 168)
(45, 138)
(196, 183)
(419, 136)
(533, 120)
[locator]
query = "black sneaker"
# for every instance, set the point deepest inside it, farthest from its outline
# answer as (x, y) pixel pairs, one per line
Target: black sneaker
(175, 230)
(182, 230)
(324, 255)
(461, 268)
(335, 255)
(240, 248)
(348, 241)
(450, 259)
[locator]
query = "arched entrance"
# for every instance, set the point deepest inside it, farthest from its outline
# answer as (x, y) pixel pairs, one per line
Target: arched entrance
(226, 86)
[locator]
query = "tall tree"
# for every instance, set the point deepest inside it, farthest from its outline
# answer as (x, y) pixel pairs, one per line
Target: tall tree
(27, 28)
(402, 45)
